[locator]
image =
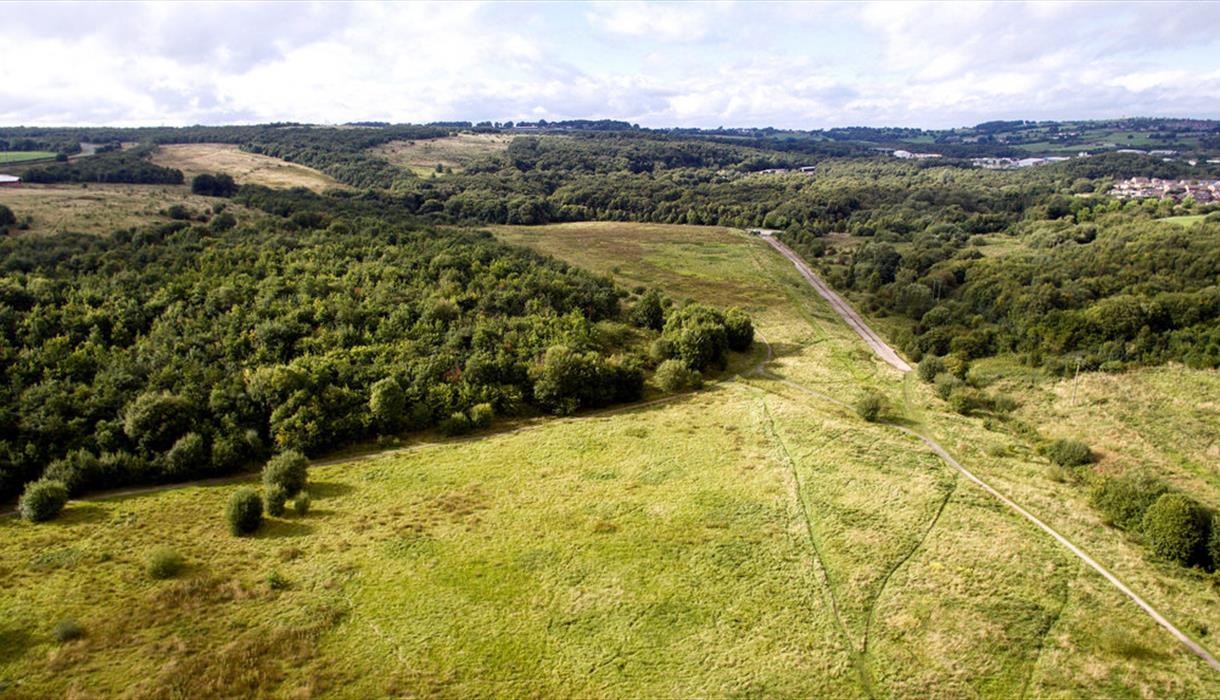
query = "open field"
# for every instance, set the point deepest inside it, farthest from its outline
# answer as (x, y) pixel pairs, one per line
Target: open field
(22, 156)
(246, 168)
(1185, 220)
(99, 207)
(422, 156)
(752, 539)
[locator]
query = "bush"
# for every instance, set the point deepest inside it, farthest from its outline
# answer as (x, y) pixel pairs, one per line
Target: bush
(187, 458)
(481, 415)
(163, 563)
(1122, 501)
(661, 349)
(739, 330)
(77, 470)
(387, 404)
(946, 383)
(244, 512)
(965, 400)
(42, 500)
(274, 498)
(674, 375)
(289, 470)
(1003, 403)
(67, 630)
(300, 504)
(929, 367)
(1175, 528)
(456, 424)
(869, 406)
(649, 311)
(1069, 453)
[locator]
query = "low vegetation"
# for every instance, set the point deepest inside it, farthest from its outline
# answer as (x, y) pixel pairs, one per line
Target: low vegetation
(244, 513)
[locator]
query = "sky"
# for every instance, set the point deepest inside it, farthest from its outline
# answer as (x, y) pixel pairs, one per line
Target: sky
(787, 65)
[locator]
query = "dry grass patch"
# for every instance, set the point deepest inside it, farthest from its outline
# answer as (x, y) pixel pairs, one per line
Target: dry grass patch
(100, 208)
(455, 152)
(246, 168)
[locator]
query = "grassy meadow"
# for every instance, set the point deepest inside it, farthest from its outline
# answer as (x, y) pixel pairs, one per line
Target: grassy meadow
(246, 168)
(455, 152)
(100, 208)
(753, 539)
(23, 156)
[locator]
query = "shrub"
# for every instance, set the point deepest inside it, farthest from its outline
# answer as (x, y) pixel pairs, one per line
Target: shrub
(661, 349)
(275, 497)
(387, 404)
(276, 581)
(244, 512)
(966, 400)
(1069, 453)
(739, 330)
(7, 217)
(929, 367)
(1175, 527)
(481, 415)
(288, 470)
(163, 563)
(42, 500)
(869, 406)
(649, 311)
(66, 630)
(1123, 500)
(456, 424)
(188, 457)
(300, 504)
(1003, 403)
(946, 383)
(956, 365)
(674, 375)
(77, 470)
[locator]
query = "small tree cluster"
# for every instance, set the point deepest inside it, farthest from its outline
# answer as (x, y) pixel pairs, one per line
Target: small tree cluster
(214, 185)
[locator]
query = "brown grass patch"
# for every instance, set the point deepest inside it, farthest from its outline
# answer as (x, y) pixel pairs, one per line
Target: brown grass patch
(246, 168)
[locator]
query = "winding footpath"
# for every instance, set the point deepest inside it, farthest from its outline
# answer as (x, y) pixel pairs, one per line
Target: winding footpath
(888, 355)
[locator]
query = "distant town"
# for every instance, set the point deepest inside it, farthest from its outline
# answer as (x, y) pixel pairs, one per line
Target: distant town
(1201, 191)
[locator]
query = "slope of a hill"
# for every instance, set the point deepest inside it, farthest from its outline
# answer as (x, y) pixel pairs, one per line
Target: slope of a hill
(246, 168)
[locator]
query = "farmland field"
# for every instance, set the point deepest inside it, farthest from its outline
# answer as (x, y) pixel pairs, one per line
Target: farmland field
(22, 156)
(246, 168)
(752, 539)
(455, 152)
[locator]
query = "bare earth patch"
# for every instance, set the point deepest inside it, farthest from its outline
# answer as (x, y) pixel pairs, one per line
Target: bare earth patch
(456, 152)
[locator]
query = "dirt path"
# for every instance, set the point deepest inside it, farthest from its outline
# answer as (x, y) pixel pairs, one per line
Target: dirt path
(886, 353)
(853, 319)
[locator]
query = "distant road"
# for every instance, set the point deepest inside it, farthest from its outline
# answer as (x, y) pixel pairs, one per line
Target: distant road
(853, 319)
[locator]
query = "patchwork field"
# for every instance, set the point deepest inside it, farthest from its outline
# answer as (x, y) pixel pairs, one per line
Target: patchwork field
(99, 208)
(455, 152)
(754, 539)
(22, 156)
(246, 168)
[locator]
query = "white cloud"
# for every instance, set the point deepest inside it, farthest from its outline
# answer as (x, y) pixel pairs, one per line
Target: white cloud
(787, 64)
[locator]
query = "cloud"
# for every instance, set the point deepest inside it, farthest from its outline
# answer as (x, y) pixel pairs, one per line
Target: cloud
(705, 64)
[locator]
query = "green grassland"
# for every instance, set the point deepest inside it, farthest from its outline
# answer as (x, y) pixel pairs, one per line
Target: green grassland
(22, 156)
(1185, 220)
(754, 539)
